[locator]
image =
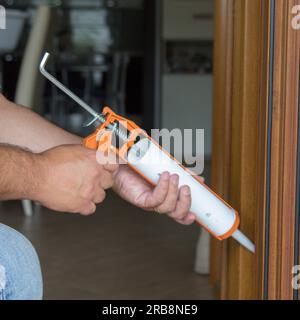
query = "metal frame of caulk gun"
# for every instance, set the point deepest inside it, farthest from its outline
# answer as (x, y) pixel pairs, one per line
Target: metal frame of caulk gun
(237, 234)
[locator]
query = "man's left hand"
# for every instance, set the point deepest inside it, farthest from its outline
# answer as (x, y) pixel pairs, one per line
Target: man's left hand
(165, 198)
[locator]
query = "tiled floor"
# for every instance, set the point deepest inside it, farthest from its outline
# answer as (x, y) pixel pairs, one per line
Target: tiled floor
(119, 253)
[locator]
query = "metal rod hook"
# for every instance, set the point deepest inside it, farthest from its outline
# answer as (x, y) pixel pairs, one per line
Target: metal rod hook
(66, 90)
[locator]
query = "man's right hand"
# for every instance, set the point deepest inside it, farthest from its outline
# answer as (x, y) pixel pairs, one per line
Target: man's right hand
(68, 178)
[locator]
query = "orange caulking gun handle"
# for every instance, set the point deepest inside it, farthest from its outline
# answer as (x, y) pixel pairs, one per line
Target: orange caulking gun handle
(90, 142)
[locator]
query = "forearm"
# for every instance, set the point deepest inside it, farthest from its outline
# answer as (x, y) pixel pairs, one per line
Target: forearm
(18, 172)
(22, 127)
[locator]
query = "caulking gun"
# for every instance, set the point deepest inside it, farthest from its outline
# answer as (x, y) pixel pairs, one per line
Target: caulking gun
(147, 158)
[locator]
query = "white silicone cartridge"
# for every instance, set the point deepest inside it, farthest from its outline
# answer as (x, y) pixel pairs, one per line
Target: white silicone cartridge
(212, 212)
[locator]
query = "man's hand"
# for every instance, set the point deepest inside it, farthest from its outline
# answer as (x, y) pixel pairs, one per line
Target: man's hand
(165, 198)
(70, 179)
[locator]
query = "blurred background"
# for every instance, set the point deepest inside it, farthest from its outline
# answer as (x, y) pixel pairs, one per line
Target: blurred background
(151, 61)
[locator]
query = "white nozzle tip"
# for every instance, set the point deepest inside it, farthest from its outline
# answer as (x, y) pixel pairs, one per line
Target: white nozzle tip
(244, 241)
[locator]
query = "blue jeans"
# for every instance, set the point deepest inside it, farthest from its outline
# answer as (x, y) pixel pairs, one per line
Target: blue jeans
(20, 271)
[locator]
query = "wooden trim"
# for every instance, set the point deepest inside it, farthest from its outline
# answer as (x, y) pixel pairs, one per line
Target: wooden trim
(296, 293)
(284, 153)
(223, 49)
(250, 20)
(297, 226)
(260, 216)
(236, 176)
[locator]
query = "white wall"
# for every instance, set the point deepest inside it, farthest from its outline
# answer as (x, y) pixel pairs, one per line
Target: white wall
(187, 98)
(187, 104)
(188, 19)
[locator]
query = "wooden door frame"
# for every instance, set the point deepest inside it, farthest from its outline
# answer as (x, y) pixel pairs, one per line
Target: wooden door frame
(255, 144)
(221, 128)
(282, 160)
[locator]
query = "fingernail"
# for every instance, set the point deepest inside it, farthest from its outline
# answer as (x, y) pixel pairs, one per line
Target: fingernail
(165, 175)
(186, 190)
(175, 179)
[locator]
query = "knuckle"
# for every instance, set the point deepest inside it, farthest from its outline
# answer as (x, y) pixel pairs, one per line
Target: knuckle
(99, 196)
(111, 167)
(93, 174)
(87, 191)
(102, 196)
(107, 183)
(96, 172)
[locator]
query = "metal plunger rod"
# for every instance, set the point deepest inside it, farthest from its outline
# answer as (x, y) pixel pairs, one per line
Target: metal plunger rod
(73, 96)
(66, 90)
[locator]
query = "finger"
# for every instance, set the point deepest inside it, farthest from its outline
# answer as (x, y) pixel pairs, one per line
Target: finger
(170, 201)
(89, 209)
(183, 204)
(106, 180)
(188, 220)
(159, 193)
(99, 196)
(111, 167)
